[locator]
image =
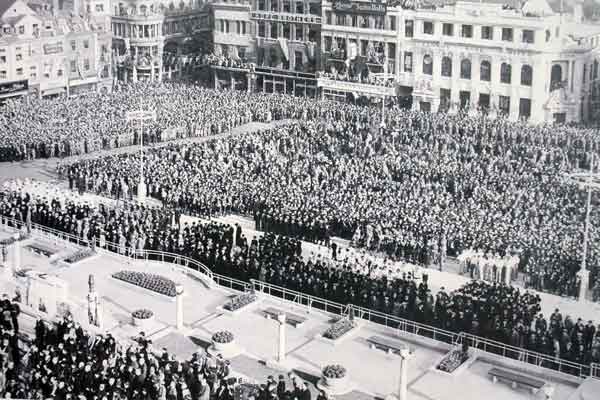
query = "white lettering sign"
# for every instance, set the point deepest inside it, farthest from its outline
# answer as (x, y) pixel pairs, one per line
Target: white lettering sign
(283, 17)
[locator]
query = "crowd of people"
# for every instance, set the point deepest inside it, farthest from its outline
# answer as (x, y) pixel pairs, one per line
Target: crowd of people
(496, 311)
(39, 128)
(422, 189)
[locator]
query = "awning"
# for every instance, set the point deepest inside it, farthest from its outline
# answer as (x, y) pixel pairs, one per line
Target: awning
(50, 92)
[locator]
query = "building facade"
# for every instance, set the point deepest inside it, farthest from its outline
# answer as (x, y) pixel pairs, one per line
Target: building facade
(46, 54)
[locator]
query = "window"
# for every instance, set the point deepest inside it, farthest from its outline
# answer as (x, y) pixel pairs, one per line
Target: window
(327, 41)
(19, 71)
(485, 71)
(448, 30)
(548, 35)
(363, 47)
(287, 32)
(21, 29)
(428, 27)
(274, 5)
(524, 108)
(447, 67)
(86, 64)
(286, 6)
(274, 29)
(59, 72)
(99, 8)
(507, 34)
(242, 52)
(526, 75)
(505, 73)
(464, 97)
(365, 21)
(86, 44)
(427, 65)
(298, 61)
(6, 29)
(19, 57)
(328, 17)
(2, 59)
(243, 27)
(392, 23)
(300, 32)
(445, 96)
(467, 31)
(584, 71)
(261, 29)
(340, 19)
(238, 27)
(73, 65)
(226, 26)
(299, 7)
(408, 61)
(504, 105)
(528, 36)
(484, 101)
(379, 22)
(2, 74)
(262, 5)
(409, 27)
(487, 32)
(465, 69)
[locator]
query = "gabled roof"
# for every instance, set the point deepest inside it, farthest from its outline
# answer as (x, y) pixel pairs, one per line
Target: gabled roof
(5, 5)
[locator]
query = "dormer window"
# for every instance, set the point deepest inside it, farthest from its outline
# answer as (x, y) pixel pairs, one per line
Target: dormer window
(6, 29)
(21, 30)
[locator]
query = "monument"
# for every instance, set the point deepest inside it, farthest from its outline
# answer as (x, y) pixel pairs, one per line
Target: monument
(94, 313)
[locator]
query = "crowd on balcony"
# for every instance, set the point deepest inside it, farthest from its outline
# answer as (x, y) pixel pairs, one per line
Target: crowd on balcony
(225, 61)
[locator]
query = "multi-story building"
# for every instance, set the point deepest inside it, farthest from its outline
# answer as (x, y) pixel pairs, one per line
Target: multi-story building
(523, 62)
(48, 54)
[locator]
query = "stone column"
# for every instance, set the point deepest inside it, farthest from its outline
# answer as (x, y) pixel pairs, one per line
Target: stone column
(281, 348)
(584, 276)
(17, 254)
(179, 305)
(402, 389)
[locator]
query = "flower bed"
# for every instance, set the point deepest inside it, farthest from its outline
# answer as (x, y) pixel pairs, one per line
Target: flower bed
(334, 371)
(11, 240)
(240, 301)
(453, 360)
(142, 313)
(145, 280)
(223, 337)
(42, 250)
(339, 328)
(79, 255)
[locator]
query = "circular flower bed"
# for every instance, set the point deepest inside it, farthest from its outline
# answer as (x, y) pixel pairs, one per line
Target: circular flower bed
(334, 371)
(142, 313)
(223, 337)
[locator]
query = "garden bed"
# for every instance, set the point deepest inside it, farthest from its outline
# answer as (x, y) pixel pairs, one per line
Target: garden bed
(155, 284)
(240, 303)
(339, 331)
(79, 256)
(455, 361)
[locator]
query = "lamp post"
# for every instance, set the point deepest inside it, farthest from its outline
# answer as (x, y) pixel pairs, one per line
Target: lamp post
(403, 381)
(589, 180)
(179, 307)
(141, 116)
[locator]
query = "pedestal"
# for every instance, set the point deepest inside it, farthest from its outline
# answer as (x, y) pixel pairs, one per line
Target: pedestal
(179, 305)
(402, 389)
(16, 264)
(584, 276)
(281, 347)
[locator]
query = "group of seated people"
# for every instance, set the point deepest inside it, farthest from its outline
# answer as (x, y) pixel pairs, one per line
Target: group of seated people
(419, 188)
(495, 311)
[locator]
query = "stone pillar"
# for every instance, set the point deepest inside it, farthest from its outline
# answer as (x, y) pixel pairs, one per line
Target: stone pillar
(281, 348)
(402, 389)
(16, 254)
(179, 305)
(584, 276)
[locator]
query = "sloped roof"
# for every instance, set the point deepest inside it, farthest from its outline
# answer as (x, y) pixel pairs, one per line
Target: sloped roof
(5, 5)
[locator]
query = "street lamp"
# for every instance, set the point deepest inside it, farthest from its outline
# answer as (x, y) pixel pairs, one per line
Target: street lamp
(591, 181)
(141, 116)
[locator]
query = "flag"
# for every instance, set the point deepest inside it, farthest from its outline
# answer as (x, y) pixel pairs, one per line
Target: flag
(284, 48)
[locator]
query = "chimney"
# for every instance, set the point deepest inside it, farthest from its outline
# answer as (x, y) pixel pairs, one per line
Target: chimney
(578, 11)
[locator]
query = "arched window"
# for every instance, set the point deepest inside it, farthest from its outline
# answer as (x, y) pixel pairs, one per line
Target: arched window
(485, 71)
(505, 73)
(427, 65)
(548, 35)
(465, 69)
(526, 75)
(447, 66)
(556, 77)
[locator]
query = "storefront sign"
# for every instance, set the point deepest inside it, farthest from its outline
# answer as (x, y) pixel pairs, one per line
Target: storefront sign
(360, 7)
(53, 48)
(282, 17)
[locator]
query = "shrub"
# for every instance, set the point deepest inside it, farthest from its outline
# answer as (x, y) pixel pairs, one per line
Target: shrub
(334, 371)
(339, 328)
(142, 313)
(79, 255)
(240, 301)
(223, 337)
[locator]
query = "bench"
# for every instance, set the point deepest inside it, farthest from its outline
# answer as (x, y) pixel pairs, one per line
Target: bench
(389, 345)
(293, 319)
(42, 250)
(516, 379)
